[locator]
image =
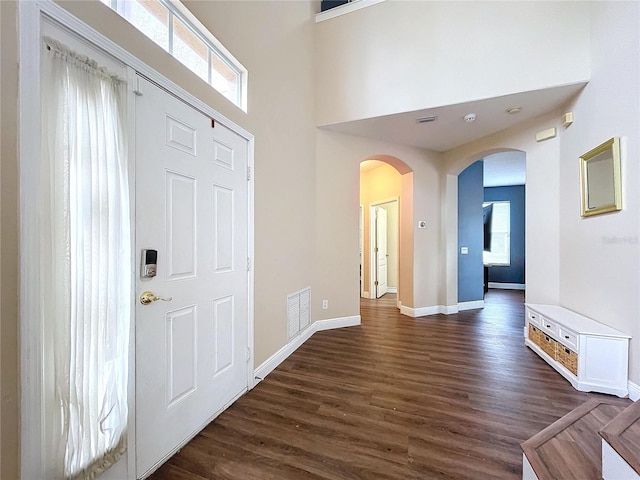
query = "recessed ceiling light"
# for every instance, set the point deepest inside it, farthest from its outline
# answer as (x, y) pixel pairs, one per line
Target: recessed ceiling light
(470, 117)
(513, 110)
(430, 118)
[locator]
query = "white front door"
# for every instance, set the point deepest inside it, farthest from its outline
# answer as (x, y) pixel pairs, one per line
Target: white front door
(381, 251)
(192, 207)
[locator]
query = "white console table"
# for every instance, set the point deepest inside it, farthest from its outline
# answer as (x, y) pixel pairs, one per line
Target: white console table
(591, 355)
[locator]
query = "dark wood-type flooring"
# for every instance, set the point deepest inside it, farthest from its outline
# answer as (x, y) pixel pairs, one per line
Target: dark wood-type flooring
(437, 397)
(623, 434)
(571, 448)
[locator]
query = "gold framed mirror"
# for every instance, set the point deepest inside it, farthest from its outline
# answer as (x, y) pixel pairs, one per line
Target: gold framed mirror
(600, 179)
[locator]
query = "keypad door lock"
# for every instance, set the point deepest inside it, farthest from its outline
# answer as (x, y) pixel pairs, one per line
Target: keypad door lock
(149, 263)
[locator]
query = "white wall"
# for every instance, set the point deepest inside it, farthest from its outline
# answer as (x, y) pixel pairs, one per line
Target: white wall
(542, 199)
(337, 213)
(404, 56)
(307, 181)
(599, 256)
(589, 265)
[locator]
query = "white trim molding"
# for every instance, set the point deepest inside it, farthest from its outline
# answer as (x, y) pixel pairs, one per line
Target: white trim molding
(392, 289)
(434, 310)
(449, 309)
(634, 391)
(442, 309)
(470, 305)
(419, 311)
(507, 286)
(281, 355)
(340, 322)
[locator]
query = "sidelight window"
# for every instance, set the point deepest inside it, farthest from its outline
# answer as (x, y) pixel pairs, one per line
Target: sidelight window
(86, 264)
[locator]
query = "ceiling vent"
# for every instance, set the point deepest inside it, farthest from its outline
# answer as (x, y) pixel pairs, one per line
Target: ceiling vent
(430, 118)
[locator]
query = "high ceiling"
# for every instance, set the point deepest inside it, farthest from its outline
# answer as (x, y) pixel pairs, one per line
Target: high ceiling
(450, 130)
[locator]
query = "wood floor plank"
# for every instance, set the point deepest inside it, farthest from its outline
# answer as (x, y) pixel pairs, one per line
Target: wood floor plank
(623, 434)
(438, 397)
(570, 448)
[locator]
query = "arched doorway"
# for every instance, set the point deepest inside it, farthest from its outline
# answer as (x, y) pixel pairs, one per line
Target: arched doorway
(491, 210)
(384, 222)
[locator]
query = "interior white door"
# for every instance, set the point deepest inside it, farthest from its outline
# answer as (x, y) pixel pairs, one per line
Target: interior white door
(192, 207)
(381, 251)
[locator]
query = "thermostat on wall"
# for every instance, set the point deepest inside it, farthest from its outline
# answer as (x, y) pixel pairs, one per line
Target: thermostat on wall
(422, 224)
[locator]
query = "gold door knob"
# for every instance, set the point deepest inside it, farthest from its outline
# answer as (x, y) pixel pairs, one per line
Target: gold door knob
(148, 297)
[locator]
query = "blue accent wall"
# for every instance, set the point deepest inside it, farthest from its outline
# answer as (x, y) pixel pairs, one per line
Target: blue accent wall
(470, 233)
(515, 194)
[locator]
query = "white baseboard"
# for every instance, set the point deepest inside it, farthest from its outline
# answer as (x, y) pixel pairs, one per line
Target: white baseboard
(449, 309)
(365, 295)
(470, 305)
(507, 286)
(277, 358)
(419, 312)
(392, 289)
(281, 355)
(442, 309)
(340, 322)
(634, 391)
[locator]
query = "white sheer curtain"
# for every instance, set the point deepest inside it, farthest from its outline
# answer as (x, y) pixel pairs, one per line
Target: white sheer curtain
(86, 263)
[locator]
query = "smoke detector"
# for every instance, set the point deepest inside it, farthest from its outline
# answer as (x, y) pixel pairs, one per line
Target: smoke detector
(470, 117)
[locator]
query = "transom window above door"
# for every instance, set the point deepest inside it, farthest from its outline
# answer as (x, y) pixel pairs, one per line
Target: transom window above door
(174, 28)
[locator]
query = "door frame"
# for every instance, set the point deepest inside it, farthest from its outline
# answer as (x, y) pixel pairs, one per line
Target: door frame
(361, 247)
(372, 241)
(30, 17)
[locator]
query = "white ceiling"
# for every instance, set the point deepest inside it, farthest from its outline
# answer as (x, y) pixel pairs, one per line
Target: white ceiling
(450, 130)
(504, 169)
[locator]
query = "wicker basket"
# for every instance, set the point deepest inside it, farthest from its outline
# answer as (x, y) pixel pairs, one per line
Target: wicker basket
(545, 342)
(534, 334)
(548, 345)
(567, 358)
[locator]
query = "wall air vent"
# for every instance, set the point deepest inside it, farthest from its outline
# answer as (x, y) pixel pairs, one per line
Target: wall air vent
(298, 312)
(430, 118)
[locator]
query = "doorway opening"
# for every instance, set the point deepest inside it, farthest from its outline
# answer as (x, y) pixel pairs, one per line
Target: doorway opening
(385, 236)
(491, 227)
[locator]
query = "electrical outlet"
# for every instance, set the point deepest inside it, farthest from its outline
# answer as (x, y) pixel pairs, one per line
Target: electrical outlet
(325, 304)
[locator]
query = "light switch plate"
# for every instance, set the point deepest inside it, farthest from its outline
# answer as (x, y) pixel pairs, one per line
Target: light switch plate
(464, 250)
